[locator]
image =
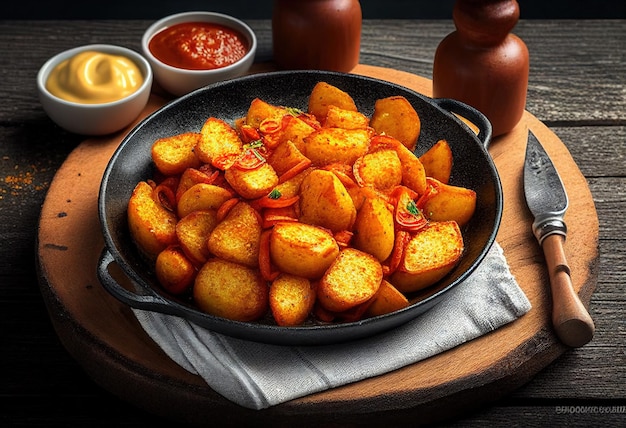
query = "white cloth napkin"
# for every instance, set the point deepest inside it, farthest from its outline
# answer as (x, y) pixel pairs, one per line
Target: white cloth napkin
(258, 375)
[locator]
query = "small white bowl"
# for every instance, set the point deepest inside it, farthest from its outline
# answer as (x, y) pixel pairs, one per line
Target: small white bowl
(179, 81)
(95, 119)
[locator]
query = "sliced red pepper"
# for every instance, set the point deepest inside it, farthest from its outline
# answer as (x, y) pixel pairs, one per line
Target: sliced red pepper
(225, 161)
(310, 120)
(225, 208)
(431, 190)
(402, 238)
(248, 134)
(294, 170)
(165, 193)
(343, 173)
(269, 201)
(343, 238)
(356, 171)
(407, 215)
(265, 262)
(249, 160)
(379, 142)
(269, 126)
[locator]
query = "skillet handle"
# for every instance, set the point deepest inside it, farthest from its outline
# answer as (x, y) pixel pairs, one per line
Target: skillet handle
(150, 301)
(469, 113)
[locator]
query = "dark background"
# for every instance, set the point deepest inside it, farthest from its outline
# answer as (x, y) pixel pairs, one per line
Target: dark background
(261, 9)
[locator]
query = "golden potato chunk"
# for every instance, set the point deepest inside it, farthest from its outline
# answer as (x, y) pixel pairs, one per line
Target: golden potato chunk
(151, 226)
(429, 255)
(386, 300)
(252, 183)
(237, 238)
(173, 155)
(174, 271)
(286, 156)
(295, 130)
(291, 299)
(230, 290)
(324, 95)
(202, 197)
(324, 201)
(346, 119)
(193, 231)
(413, 172)
(445, 202)
(302, 249)
(352, 279)
(330, 145)
(396, 116)
(260, 110)
(381, 169)
(220, 143)
(438, 161)
(374, 229)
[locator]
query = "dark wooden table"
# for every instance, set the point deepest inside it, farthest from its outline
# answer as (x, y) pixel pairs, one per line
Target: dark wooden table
(577, 88)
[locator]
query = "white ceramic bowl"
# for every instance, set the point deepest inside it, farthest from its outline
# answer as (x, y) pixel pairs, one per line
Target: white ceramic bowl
(95, 119)
(179, 81)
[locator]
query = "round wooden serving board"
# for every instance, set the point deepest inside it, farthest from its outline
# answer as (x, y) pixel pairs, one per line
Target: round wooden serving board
(105, 338)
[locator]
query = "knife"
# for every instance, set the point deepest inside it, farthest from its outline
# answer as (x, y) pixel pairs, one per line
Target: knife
(547, 200)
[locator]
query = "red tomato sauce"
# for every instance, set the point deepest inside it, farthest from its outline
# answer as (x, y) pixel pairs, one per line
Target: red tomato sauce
(198, 46)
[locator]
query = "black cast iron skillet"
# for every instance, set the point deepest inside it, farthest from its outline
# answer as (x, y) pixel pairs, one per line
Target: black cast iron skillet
(229, 100)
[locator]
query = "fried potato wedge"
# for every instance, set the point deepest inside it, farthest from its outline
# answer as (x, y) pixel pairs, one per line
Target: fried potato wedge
(338, 117)
(190, 177)
(374, 229)
(413, 172)
(174, 271)
(429, 255)
(237, 238)
(152, 226)
(260, 110)
(352, 279)
(219, 143)
(287, 155)
(173, 155)
(193, 231)
(291, 299)
(230, 290)
(445, 202)
(396, 116)
(324, 201)
(335, 145)
(252, 183)
(381, 169)
(202, 197)
(294, 129)
(324, 95)
(302, 249)
(438, 161)
(386, 300)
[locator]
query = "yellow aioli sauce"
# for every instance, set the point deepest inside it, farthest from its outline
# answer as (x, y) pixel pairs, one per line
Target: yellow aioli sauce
(94, 77)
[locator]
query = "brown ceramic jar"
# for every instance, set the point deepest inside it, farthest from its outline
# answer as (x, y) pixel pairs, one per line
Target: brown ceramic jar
(316, 34)
(482, 64)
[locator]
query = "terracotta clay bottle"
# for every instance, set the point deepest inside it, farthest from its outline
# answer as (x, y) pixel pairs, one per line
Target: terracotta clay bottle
(316, 34)
(482, 64)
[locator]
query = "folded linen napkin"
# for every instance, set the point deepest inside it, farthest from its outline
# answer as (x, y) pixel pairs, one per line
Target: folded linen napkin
(257, 376)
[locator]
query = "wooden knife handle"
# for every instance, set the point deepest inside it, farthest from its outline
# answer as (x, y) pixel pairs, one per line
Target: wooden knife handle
(572, 322)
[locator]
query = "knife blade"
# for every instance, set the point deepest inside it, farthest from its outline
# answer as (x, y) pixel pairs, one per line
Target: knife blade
(547, 200)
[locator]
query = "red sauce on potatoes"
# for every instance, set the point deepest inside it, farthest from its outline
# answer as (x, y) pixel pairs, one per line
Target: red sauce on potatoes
(198, 46)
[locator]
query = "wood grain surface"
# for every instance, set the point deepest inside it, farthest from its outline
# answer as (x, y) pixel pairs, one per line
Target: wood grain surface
(576, 89)
(103, 335)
